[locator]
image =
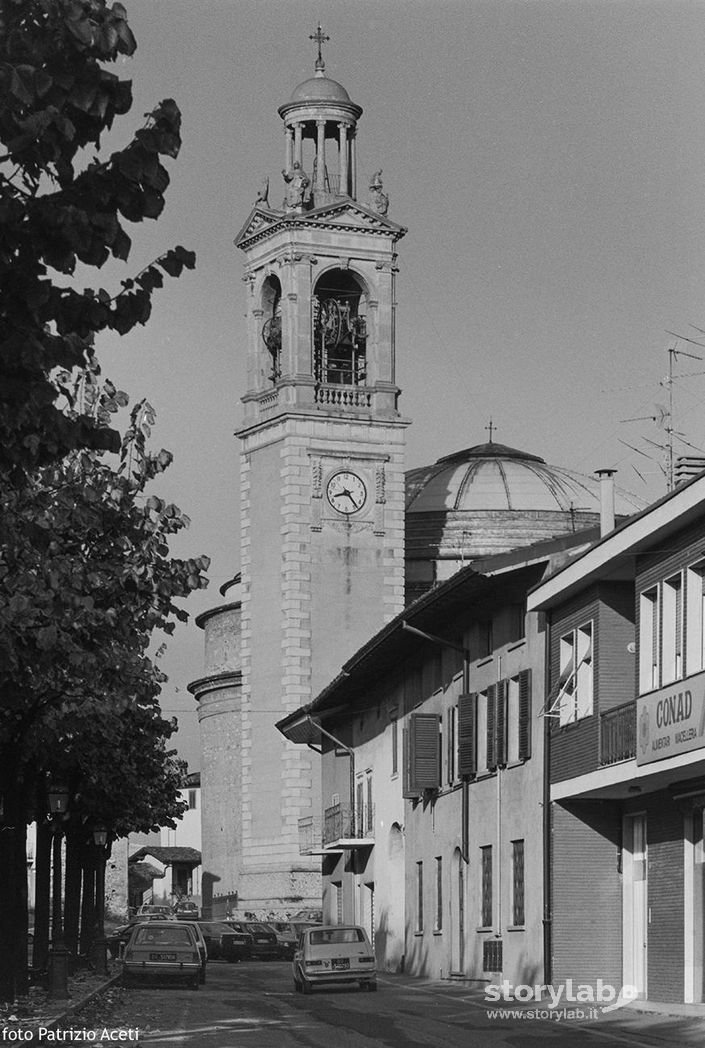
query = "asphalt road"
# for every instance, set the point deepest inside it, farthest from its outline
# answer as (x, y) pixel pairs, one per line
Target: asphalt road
(254, 1004)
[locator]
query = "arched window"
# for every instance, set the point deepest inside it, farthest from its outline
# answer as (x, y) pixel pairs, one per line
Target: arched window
(339, 330)
(272, 327)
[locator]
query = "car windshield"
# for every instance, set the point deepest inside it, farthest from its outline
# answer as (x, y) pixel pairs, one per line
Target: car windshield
(335, 935)
(171, 936)
(255, 926)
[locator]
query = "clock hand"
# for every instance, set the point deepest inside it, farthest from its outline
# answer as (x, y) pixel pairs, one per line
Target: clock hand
(345, 491)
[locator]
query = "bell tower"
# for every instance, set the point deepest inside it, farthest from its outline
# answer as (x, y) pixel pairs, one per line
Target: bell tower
(322, 460)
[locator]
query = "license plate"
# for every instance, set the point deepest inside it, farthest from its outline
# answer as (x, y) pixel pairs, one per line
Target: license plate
(162, 956)
(340, 963)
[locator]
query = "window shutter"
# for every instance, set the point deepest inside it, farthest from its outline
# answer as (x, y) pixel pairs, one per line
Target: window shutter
(492, 727)
(425, 751)
(501, 722)
(467, 732)
(408, 789)
(524, 715)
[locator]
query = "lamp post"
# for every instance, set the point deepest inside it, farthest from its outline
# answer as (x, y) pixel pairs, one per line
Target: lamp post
(58, 954)
(99, 946)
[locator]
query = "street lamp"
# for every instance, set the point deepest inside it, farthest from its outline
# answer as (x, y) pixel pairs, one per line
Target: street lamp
(58, 797)
(99, 946)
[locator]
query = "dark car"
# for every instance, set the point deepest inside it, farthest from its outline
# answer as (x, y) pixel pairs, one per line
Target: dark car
(225, 942)
(264, 940)
(187, 911)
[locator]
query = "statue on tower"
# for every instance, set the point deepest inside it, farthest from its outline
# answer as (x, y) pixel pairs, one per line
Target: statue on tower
(298, 185)
(378, 200)
(263, 192)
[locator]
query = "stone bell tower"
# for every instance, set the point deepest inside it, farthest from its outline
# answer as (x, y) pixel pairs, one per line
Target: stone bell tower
(322, 481)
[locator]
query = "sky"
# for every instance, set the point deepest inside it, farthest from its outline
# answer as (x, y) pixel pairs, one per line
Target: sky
(548, 161)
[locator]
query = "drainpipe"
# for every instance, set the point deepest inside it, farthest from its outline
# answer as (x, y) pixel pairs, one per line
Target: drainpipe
(547, 850)
(606, 500)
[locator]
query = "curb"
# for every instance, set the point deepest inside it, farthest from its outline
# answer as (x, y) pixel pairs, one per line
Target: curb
(51, 1024)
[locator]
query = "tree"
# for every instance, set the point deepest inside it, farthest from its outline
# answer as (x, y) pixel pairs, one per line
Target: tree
(85, 581)
(57, 99)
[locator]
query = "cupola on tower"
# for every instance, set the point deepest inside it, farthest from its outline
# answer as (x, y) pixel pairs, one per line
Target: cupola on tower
(322, 481)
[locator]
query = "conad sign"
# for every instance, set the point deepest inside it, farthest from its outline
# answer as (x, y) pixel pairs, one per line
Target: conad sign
(671, 721)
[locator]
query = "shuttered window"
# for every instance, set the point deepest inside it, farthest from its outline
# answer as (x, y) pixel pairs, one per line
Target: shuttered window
(423, 754)
(467, 735)
(492, 728)
(518, 883)
(486, 898)
(524, 715)
(501, 723)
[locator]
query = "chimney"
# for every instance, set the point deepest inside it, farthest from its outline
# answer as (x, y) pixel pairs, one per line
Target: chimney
(606, 500)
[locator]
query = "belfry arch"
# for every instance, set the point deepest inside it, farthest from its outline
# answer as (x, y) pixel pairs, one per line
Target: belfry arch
(340, 329)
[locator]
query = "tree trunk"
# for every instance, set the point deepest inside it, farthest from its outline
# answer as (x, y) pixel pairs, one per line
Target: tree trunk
(13, 889)
(72, 894)
(42, 888)
(87, 901)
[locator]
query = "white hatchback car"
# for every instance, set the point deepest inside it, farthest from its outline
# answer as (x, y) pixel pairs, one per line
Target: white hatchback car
(334, 954)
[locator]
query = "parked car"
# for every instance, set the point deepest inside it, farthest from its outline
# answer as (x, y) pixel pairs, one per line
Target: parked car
(287, 933)
(117, 938)
(187, 911)
(264, 941)
(334, 954)
(309, 916)
(162, 950)
(225, 942)
(154, 910)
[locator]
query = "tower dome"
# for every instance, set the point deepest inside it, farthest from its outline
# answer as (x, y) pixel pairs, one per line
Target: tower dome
(320, 88)
(490, 499)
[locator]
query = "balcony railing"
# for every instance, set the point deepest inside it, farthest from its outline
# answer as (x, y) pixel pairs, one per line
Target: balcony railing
(341, 822)
(618, 733)
(344, 396)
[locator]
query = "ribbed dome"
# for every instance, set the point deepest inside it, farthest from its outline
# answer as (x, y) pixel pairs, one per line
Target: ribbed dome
(495, 477)
(492, 499)
(320, 89)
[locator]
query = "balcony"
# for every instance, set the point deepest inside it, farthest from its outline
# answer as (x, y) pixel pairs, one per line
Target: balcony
(347, 396)
(343, 827)
(618, 734)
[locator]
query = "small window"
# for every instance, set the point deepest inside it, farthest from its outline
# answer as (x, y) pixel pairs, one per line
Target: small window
(513, 720)
(482, 733)
(486, 897)
(518, 883)
(695, 618)
(192, 799)
(438, 922)
(395, 744)
(672, 630)
(451, 744)
(649, 663)
(576, 698)
(419, 896)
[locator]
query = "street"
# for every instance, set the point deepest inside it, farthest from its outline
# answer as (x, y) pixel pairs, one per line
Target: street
(255, 1004)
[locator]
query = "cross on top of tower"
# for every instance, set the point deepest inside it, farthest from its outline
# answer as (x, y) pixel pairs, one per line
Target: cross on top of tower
(490, 429)
(320, 38)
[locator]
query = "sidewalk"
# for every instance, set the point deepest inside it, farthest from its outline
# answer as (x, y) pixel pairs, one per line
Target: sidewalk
(670, 1022)
(38, 1014)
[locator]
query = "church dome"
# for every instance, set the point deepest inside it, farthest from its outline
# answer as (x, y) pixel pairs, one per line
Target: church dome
(491, 499)
(320, 89)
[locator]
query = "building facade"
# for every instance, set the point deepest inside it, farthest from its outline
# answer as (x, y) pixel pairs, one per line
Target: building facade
(625, 700)
(432, 829)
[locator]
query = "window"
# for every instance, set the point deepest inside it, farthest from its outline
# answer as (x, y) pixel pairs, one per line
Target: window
(369, 807)
(518, 883)
(649, 668)
(467, 735)
(451, 733)
(486, 898)
(485, 642)
(672, 630)
(482, 733)
(419, 896)
(513, 720)
(695, 618)
(422, 754)
(576, 696)
(192, 799)
(395, 743)
(438, 922)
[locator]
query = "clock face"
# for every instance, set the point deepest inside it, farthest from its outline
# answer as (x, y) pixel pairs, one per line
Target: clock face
(346, 492)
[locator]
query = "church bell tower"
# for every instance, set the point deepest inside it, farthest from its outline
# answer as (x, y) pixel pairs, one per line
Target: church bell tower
(322, 481)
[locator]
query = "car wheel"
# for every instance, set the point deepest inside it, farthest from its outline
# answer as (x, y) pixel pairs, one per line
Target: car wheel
(297, 987)
(306, 986)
